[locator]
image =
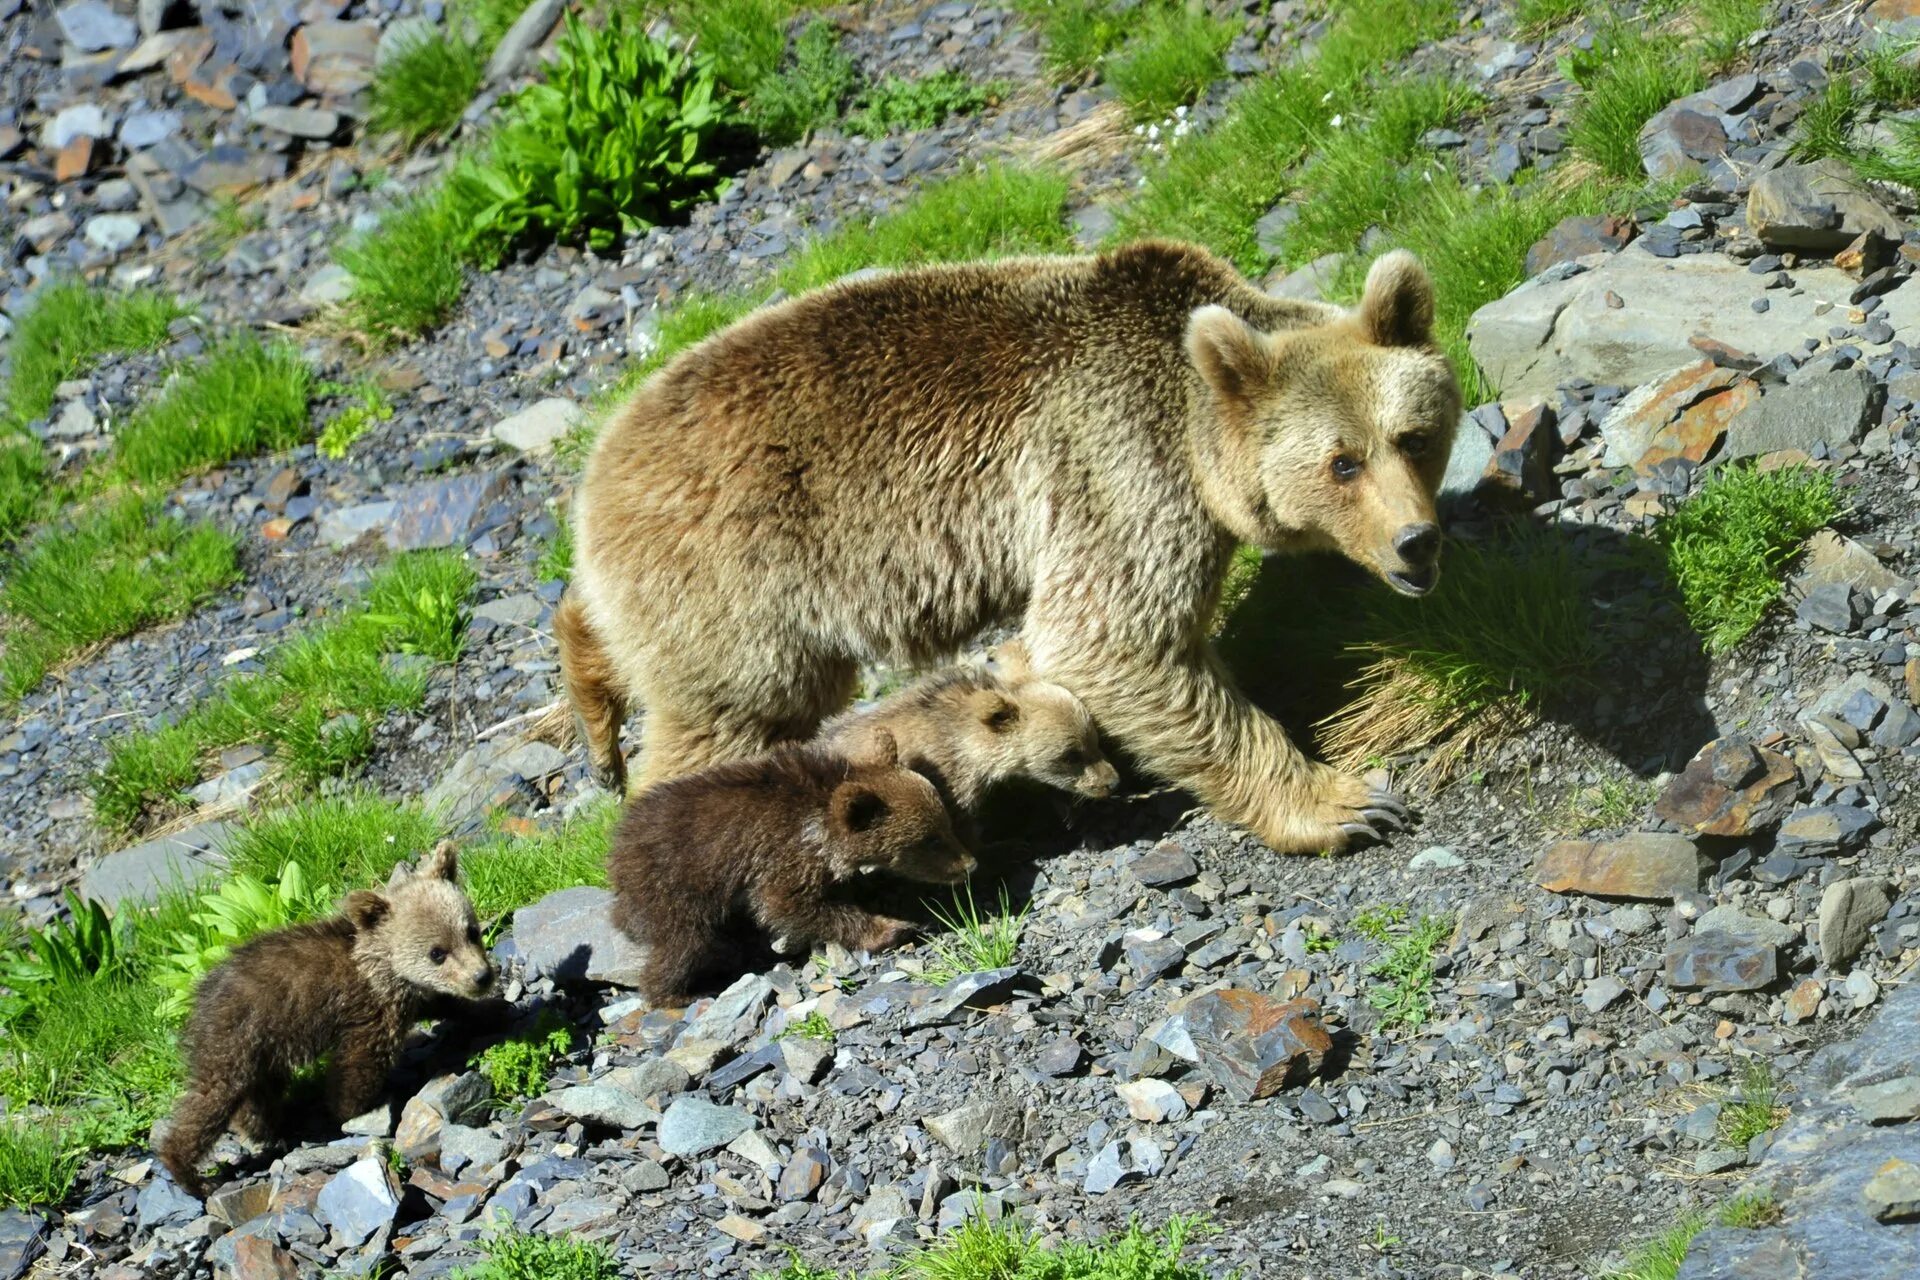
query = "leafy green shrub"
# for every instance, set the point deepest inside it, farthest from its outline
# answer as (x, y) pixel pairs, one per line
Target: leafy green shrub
(808, 92)
(925, 103)
(370, 405)
(1404, 995)
(1727, 545)
(620, 136)
(519, 1067)
(86, 945)
(241, 908)
(419, 604)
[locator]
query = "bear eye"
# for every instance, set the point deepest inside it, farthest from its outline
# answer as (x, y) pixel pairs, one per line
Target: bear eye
(473, 934)
(438, 955)
(1413, 446)
(1345, 466)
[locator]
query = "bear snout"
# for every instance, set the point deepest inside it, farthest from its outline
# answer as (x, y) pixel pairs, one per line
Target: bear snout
(1098, 781)
(1418, 544)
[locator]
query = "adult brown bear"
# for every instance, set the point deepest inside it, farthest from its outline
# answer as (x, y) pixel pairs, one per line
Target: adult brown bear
(879, 469)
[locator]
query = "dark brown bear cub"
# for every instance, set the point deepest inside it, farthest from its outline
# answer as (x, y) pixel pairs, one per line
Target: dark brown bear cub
(773, 844)
(351, 985)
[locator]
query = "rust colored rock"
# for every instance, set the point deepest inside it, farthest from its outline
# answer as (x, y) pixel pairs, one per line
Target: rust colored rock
(1649, 865)
(1723, 355)
(1698, 430)
(194, 48)
(1730, 788)
(76, 159)
(335, 59)
(1248, 1044)
(211, 86)
(1869, 252)
(1577, 237)
(258, 1258)
(1522, 461)
(1722, 962)
(1803, 1002)
(1913, 681)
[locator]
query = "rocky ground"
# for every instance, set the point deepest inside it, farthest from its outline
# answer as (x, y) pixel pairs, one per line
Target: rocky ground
(1705, 866)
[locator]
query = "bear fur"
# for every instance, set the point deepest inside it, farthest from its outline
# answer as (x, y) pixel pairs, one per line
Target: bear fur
(967, 729)
(351, 985)
(778, 846)
(879, 469)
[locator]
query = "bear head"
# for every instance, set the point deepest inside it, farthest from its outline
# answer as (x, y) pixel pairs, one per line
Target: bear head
(1038, 729)
(884, 817)
(1335, 436)
(422, 929)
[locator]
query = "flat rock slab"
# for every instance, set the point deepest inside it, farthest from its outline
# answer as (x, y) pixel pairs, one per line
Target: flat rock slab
(1722, 962)
(1821, 207)
(538, 428)
(694, 1126)
(1730, 788)
(1652, 866)
(1549, 332)
(1248, 1044)
(142, 872)
(1831, 408)
(568, 936)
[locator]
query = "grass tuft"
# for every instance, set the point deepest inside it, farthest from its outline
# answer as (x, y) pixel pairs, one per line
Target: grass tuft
(808, 92)
(1169, 59)
(980, 1249)
(1825, 128)
(1076, 34)
(979, 941)
(516, 1255)
(507, 873)
(812, 1027)
(926, 103)
(103, 575)
(1545, 15)
(407, 272)
(419, 604)
(1728, 545)
(424, 88)
(747, 39)
(1660, 1257)
(1754, 1108)
(67, 329)
(241, 398)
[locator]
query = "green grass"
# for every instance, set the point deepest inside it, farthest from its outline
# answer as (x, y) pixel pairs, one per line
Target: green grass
(1660, 1257)
(347, 841)
(979, 940)
(65, 332)
(423, 90)
(1825, 128)
(1544, 15)
(980, 1249)
(311, 706)
(1373, 171)
(38, 1163)
(102, 575)
(241, 398)
(367, 406)
(508, 872)
(517, 1255)
(747, 39)
(408, 273)
(1076, 34)
(1754, 1108)
(1169, 59)
(1214, 187)
(1729, 544)
(520, 1066)
(1613, 802)
(556, 557)
(808, 91)
(925, 103)
(1404, 994)
(812, 1027)
(1891, 74)
(491, 19)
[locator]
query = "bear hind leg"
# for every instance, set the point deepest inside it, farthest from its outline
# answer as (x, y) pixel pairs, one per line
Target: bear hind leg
(595, 691)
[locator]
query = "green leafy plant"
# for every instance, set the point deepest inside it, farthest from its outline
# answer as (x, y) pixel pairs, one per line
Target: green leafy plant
(1728, 545)
(86, 945)
(419, 605)
(812, 1027)
(370, 405)
(925, 103)
(980, 941)
(1404, 995)
(424, 87)
(520, 1066)
(808, 92)
(241, 908)
(620, 136)
(1376, 922)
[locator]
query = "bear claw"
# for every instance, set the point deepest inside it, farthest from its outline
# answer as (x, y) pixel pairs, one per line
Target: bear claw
(1390, 802)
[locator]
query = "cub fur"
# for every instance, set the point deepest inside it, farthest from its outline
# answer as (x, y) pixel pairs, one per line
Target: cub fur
(776, 844)
(881, 468)
(967, 729)
(351, 985)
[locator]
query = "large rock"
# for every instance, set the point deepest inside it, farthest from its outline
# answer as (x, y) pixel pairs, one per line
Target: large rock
(335, 59)
(92, 26)
(1683, 415)
(1577, 237)
(539, 427)
(490, 777)
(142, 872)
(1649, 865)
(604, 1105)
(449, 512)
(1821, 206)
(694, 1126)
(1848, 911)
(1833, 558)
(1730, 788)
(1721, 962)
(1552, 331)
(358, 1201)
(1120, 1162)
(569, 937)
(1248, 1044)
(1832, 408)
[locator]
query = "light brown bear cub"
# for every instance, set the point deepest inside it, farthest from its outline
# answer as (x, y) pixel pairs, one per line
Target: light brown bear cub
(882, 468)
(351, 985)
(772, 847)
(967, 729)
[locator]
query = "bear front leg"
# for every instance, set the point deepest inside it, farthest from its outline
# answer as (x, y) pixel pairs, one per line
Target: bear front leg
(358, 1076)
(1185, 721)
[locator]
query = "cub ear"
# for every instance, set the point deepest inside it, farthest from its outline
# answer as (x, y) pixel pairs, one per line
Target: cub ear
(1397, 308)
(1233, 357)
(365, 909)
(857, 808)
(882, 750)
(441, 864)
(995, 710)
(1012, 661)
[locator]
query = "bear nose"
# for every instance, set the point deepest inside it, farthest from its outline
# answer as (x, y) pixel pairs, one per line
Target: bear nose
(1418, 543)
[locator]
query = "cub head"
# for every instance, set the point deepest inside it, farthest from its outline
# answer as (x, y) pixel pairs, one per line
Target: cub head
(887, 818)
(1037, 729)
(1334, 437)
(424, 928)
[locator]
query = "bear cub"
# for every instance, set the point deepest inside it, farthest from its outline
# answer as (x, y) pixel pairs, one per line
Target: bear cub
(351, 985)
(967, 729)
(773, 846)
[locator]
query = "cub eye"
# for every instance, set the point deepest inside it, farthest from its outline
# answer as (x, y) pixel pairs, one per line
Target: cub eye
(1414, 446)
(473, 934)
(1345, 466)
(438, 955)
(1073, 759)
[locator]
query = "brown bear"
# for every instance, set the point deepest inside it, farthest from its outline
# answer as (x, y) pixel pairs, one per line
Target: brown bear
(350, 986)
(775, 846)
(883, 467)
(966, 729)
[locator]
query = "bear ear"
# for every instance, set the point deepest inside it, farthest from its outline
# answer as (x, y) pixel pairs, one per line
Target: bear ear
(441, 864)
(365, 909)
(995, 710)
(1232, 356)
(1012, 661)
(857, 808)
(882, 751)
(1397, 308)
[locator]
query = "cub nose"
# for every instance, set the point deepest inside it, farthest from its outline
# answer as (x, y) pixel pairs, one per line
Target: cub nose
(1418, 543)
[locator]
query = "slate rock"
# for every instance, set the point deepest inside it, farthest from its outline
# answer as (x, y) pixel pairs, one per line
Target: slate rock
(465, 1147)
(602, 1105)
(335, 59)
(1247, 1043)
(259, 1258)
(344, 526)
(1602, 992)
(92, 26)
(1577, 236)
(1152, 1101)
(1831, 408)
(735, 1015)
(1720, 962)
(163, 1204)
(1849, 909)
(1121, 1162)
(1893, 1101)
(358, 1201)
(1820, 207)
(470, 790)
(1730, 788)
(142, 872)
(693, 1126)
(1164, 866)
(537, 428)
(1824, 831)
(1061, 1056)
(802, 1175)
(81, 120)
(1893, 1192)
(569, 937)
(1652, 866)
(1834, 557)
(315, 124)
(964, 1130)
(448, 512)
(971, 991)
